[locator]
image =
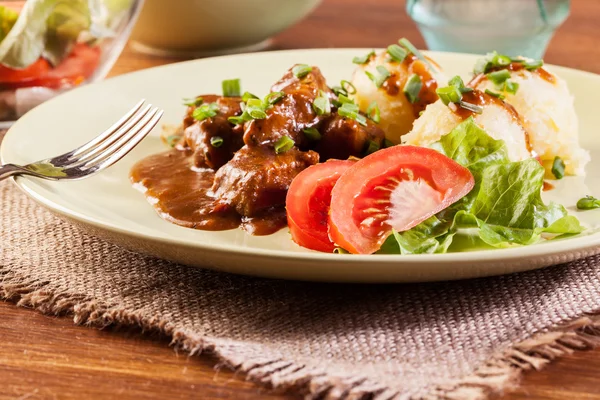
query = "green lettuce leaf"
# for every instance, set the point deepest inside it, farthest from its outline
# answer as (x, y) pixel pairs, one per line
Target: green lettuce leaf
(505, 207)
(49, 28)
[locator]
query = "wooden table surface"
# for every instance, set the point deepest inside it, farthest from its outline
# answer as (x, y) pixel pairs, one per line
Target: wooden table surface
(50, 358)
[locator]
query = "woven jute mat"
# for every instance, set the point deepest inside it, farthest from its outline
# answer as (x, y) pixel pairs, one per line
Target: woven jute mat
(458, 340)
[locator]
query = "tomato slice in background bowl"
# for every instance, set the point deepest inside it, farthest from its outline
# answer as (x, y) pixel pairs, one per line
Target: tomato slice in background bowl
(395, 188)
(79, 65)
(307, 204)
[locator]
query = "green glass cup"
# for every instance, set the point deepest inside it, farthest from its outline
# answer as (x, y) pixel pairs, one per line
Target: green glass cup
(512, 27)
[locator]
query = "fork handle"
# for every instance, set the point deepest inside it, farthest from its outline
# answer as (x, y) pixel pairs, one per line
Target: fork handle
(8, 170)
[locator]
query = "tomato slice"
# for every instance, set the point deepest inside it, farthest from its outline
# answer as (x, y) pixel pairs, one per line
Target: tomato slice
(307, 204)
(74, 69)
(395, 188)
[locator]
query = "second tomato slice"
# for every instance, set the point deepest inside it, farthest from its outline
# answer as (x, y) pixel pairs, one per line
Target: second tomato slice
(395, 188)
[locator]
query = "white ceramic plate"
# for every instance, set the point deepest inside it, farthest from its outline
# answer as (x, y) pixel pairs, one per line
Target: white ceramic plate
(107, 206)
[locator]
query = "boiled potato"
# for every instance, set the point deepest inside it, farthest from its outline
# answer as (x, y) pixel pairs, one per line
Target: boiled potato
(397, 112)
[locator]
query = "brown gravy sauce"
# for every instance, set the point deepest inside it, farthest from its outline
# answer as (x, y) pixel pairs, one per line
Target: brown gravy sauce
(181, 194)
(395, 83)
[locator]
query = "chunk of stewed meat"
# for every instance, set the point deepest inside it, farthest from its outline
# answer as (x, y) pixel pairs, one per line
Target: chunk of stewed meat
(290, 115)
(214, 140)
(257, 178)
(344, 137)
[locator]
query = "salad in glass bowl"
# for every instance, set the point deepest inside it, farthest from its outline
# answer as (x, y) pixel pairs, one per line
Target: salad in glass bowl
(50, 46)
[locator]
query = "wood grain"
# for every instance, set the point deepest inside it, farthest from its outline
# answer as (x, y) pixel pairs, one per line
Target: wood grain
(45, 357)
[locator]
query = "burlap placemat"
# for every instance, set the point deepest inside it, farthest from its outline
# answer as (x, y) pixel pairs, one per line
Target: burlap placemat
(460, 340)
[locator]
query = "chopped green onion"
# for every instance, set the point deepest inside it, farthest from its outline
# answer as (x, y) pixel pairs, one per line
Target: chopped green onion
(380, 77)
(412, 88)
(321, 104)
(350, 110)
(491, 61)
(338, 90)
(588, 203)
(231, 88)
(172, 140)
(301, 70)
(459, 84)
(237, 120)
(558, 168)
(387, 143)
(346, 85)
(216, 141)
(373, 112)
(410, 47)
(339, 250)
(532, 65)
(372, 147)
(193, 102)
(344, 99)
(511, 87)
(255, 109)
(471, 107)
(363, 59)
(273, 98)
(205, 111)
(312, 134)
(247, 96)
(498, 77)
(397, 53)
(449, 94)
(284, 144)
(494, 94)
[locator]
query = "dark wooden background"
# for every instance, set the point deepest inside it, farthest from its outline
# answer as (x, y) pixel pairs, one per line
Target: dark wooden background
(50, 358)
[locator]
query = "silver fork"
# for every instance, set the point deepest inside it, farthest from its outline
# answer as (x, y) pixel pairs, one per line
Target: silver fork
(98, 154)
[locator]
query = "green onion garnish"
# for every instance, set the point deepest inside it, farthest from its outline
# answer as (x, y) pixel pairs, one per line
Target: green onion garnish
(387, 143)
(350, 110)
(558, 168)
(312, 134)
(205, 111)
(363, 59)
(588, 203)
(494, 94)
(380, 77)
(231, 88)
(321, 104)
(372, 147)
(412, 88)
(532, 65)
(510, 87)
(237, 120)
(459, 84)
(344, 99)
(499, 77)
(216, 141)
(247, 96)
(283, 144)
(449, 94)
(193, 102)
(172, 140)
(373, 112)
(491, 61)
(301, 70)
(471, 107)
(273, 98)
(410, 47)
(255, 109)
(396, 52)
(348, 87)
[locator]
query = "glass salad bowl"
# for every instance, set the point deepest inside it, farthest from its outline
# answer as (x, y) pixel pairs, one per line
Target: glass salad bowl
(50, 46)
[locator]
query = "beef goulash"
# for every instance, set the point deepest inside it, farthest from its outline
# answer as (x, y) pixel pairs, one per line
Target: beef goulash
(238, 155)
